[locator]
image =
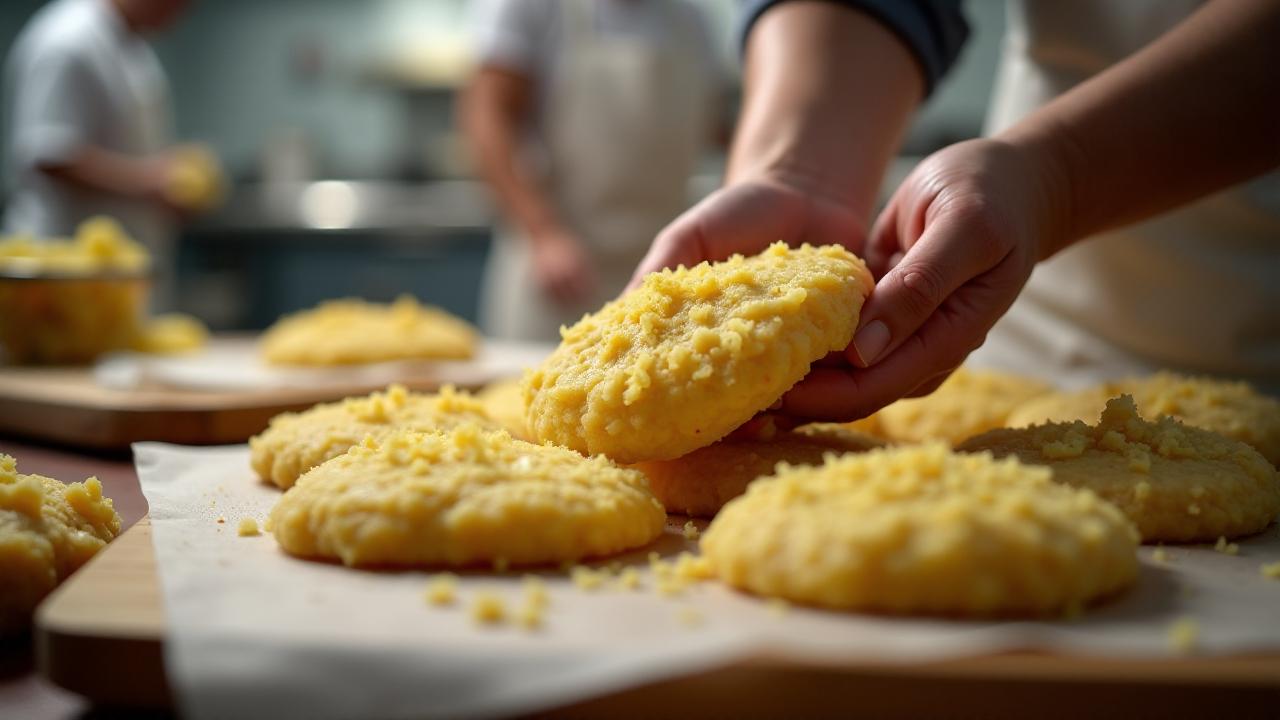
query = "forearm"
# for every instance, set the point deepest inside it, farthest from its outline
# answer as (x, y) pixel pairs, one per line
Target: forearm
(828, 94)
(492, 129)
(1194, 112)
(103, 170)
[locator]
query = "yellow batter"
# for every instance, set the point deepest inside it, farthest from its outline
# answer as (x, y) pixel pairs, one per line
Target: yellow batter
(968, 403)
(1177, 483)
(700, 483)
(296, 442)
(923, 530)
(47, 531)
(465, 497)
(350, 332)
(1233, 409)
(691, 354)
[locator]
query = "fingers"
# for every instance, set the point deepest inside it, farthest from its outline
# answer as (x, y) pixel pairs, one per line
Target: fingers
(915, 366)
(741, 219)
(956, 246)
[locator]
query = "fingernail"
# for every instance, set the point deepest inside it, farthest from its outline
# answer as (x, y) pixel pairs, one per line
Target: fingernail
(870, 341)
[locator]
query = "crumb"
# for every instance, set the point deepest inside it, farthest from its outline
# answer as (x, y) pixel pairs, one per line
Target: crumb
(443, 589)
(1182, 635)
(1160, 556)
(221, 520)
(690, 531)
(535, 592)
(629, 579)
(248, 527)
(690, 617)
(584, 578)
(1225, 547)
(778, 607)
(1270, 570)
(529, 617)
(488, 609)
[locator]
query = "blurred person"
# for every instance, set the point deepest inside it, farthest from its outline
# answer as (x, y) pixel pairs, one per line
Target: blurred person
(1123, 216)
(87, 120)
(587, 119)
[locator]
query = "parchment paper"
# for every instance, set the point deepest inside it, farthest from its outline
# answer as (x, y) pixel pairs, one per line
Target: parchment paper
(256, 633)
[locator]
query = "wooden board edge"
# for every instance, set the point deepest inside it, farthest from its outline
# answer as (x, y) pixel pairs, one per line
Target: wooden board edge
(130, 630)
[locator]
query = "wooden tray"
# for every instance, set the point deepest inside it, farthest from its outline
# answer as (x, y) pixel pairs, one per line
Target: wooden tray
(101, 635)
(70, 405)
(65, 405)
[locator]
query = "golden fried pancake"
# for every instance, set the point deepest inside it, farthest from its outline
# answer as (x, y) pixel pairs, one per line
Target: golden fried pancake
(700, 483)
(351, 332)
(969, 402)
(47, 531)
(1233, 409)
(463, 497)
(923, 530)
(504, 402)
(693, 353)
(296, 442)
(1177, 483)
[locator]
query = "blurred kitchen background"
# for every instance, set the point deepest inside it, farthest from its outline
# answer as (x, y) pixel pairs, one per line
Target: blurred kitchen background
(334, 122)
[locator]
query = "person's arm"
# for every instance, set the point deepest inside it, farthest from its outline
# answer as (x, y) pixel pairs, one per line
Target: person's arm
(493, 115)
(1194, 112)
(95, 168)
(54, 108)
(828, 92)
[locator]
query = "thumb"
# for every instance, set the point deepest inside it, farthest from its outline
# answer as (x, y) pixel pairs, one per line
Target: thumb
(957, 245)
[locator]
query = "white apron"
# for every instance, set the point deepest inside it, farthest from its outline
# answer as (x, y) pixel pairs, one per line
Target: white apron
(1195, 290)
(624, 127)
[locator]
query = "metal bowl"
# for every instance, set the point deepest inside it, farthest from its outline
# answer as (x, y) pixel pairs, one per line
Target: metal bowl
(59, 318)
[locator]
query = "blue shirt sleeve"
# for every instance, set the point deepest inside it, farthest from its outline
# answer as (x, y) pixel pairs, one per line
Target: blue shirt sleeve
(934, 30)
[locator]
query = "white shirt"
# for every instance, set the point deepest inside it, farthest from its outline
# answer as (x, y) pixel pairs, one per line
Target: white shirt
(526, 36)
(78, 76)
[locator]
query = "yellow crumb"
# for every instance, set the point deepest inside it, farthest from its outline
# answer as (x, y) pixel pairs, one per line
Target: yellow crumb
(535, 593)
(1225, 547)
(778, 607)
(529, 617)
(669, 586)
(690, 617)
(488, 609)
(248, 527)
(443, 589)
(1160, 555)
(692, 568)
(629, 579)
(690, 531)
(1182, 635)
(587, 579)
(1270, 570)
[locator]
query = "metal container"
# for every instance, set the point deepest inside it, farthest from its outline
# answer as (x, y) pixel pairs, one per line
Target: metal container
(60, 318)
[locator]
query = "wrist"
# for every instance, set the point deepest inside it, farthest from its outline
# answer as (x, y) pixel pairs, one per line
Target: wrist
(1045, 162)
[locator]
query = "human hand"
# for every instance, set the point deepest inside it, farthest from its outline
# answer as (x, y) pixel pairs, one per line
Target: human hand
(746, 218)
(952, 249)
(562, 267)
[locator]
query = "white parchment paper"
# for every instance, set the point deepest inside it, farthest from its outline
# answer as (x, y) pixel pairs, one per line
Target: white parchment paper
(256, 633)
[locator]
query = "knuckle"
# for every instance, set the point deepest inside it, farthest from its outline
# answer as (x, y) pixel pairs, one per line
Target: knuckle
(922, 286)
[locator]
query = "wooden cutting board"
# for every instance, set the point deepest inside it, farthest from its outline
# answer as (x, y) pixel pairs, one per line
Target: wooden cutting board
(66, 405)
(101, 635)
(70, 405)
